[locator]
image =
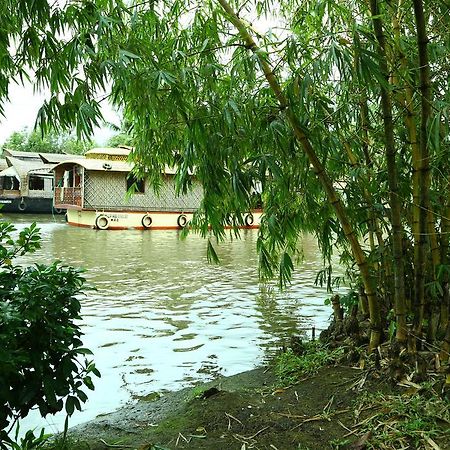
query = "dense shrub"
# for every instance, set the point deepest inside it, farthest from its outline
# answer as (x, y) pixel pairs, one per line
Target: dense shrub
(42, 362)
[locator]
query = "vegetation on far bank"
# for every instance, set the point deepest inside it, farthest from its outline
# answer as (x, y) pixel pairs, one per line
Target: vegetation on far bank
(33, 141)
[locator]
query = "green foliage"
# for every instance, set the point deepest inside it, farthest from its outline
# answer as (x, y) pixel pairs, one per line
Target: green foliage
(347, 300)
(43, 362)
(290, 367)
(196, 392)
(25, 141)
(120, 139)
(28, 442)
(406, 421)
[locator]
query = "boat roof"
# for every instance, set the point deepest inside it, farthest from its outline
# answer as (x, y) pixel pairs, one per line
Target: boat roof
(45, 169)
(104, 165)
(40, 164)
(47, 158)
(24, 166)
(108, 159)
(10, 172)
(107, 165)
(54, 158)
(103, 159)
(108, 151)
(21, 155)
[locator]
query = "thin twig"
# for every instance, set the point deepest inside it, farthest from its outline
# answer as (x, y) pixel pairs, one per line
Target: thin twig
(234, 418)
(345, 428)
(115, 445)
(292, 416)
(178, 439)
(258, 432)
(311, 419)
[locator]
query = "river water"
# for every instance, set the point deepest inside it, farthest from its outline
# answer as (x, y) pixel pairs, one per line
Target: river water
(163, 318)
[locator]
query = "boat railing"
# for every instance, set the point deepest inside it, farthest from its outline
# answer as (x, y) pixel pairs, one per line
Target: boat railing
(67, 196)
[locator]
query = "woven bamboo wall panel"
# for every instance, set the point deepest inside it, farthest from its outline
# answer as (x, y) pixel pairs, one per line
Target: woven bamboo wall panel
(107, 190)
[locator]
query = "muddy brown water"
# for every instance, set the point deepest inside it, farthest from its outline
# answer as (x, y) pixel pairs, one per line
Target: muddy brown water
(163, 318)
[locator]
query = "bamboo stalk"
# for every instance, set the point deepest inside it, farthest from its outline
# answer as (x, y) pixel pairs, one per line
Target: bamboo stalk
(424, 167)
(445, 348)
(445, 251)
(405, 97)
(394, 199)
(368, 199)
(322, 175)
(437, 301)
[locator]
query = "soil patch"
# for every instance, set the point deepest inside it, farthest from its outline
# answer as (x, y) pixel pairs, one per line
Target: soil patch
(244, 411)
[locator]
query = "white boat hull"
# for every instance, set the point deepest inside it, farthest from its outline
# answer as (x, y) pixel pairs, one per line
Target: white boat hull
(151, 220)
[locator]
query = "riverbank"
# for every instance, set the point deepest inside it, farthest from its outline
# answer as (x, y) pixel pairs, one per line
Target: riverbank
(251, 410)
(246, 409)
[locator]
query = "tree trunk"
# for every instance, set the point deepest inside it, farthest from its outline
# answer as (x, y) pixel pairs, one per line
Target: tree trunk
(332, 195)
(394, 199)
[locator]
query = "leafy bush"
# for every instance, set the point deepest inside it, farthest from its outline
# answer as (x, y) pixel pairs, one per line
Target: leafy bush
(43, 363)
(29, 441)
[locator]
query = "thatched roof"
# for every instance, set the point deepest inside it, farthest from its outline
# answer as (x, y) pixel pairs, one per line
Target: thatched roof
(104, 160)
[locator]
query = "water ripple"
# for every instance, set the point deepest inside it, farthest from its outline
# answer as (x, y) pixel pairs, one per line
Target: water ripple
(162, 317)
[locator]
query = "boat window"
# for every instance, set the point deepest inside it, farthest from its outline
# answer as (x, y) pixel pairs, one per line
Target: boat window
(36, 183)
(138, 185)
(10, 183)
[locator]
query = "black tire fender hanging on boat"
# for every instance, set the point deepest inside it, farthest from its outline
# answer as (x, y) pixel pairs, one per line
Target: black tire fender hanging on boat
(102, 222)
(249, 219)
(22, 205)
(146, 221)
(182, 220)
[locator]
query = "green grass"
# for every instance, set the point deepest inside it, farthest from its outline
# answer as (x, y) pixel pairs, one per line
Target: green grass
(290, 367)
(406, 421)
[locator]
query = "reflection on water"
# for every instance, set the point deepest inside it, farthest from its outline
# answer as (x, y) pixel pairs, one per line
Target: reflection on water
(162, 317)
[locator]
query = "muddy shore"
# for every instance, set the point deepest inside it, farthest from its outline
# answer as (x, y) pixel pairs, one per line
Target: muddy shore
(244, 411)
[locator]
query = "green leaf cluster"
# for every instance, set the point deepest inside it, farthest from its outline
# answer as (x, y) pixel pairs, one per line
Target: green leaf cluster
(42, 359)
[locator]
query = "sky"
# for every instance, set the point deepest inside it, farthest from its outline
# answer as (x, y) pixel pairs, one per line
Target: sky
(24, 104)
(22, 111)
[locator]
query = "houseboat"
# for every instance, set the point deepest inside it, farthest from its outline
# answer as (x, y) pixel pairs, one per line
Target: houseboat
(26, 181)
(94, 191)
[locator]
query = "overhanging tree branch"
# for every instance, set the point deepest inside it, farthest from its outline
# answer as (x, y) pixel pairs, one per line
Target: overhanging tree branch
(319, 169)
